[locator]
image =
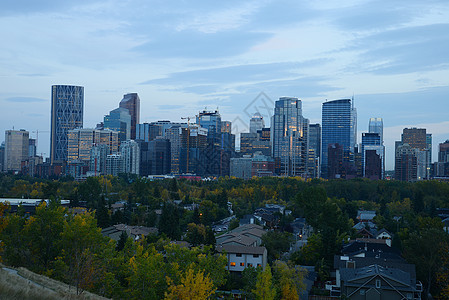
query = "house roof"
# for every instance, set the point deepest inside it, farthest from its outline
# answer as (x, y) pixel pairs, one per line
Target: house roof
(366, 214)
(247, 227)
(254, 232)
(239, 240)
(349, 275)
(366, 245)
(383, 260)
(361, 225)
(382, 231)
(241, 249)
(115, 231)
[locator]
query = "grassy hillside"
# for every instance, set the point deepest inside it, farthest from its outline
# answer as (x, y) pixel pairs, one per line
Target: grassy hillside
(23, 284)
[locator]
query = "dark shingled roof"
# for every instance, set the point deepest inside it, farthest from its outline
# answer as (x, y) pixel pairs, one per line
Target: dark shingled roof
(348, 275)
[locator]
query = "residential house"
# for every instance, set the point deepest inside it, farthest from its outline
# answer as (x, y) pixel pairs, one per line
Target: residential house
(241, 257)
(134, 232)
(365, 215)
(377, 282)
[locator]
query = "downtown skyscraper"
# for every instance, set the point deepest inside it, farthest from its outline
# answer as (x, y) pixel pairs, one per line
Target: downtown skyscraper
(290, 137)
(67, 103)
(339, 126)
(131, 102)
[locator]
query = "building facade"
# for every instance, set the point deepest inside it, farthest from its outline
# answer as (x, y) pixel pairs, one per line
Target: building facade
(67, 104)
(16, 149)
(339, 125)
(131, 102)
(419, 139)
(314, 150)
(119, 120)
(256, 123)
(372, 142)
(406, 162)
(289, 136)
(81, 141)
(130, 153)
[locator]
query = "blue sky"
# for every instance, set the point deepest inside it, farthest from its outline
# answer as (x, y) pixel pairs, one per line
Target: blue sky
(183, 56)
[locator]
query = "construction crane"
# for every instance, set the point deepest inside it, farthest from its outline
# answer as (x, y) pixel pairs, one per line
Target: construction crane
(37, 136)
(188, 140)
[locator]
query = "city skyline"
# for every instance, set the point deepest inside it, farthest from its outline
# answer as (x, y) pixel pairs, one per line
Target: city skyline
(181, 58)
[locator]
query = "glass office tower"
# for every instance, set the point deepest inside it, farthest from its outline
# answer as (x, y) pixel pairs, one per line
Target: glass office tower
(131, 102)
(119, 120)
(67, 102)
(290, 137)
(339, 126)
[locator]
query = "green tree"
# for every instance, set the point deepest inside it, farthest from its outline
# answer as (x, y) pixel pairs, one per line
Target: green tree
(276, 243)
(424, 249)
(169, 221)
(42, 234)
(122, 241)
(81, 242)
(147, 275)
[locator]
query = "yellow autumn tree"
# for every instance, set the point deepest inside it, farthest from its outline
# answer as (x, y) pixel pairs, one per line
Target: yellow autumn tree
(193, 286)
(289, 278)
(264, 286)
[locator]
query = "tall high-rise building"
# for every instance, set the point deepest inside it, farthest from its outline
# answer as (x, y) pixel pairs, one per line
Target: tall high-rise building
(148, 131)
(114, 164)
(314, 150)
(443, 152)
(2, 156)
(226, 127)
(131, 102)
(174, 135)
(98, 155)
(376, 125)
(220, 147)
(130, 153)
(159, 156)
(32, 150)
(211, 120)
(67, 102)
(81, 141)
(251, 143)
(193, 143)
(339, 126)
(16, 149)
(406, 162)
(256, 123)
(420, 140)
(441, 168)
(289, 136)
(119, 120)
(371, 141)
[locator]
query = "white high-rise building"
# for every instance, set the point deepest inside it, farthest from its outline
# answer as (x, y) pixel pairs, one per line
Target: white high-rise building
(16, 149)
(130, 152)
(256, 123)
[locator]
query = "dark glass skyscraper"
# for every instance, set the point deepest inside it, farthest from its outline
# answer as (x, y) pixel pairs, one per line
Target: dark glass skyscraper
(67, 102)
(131, 102)
(339, 126)
(119, 120)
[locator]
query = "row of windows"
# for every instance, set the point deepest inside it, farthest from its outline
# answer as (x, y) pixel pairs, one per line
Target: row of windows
(243, 264)
(240, 255)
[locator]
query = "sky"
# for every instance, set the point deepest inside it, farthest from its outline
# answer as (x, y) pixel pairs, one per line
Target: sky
(240, 56)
